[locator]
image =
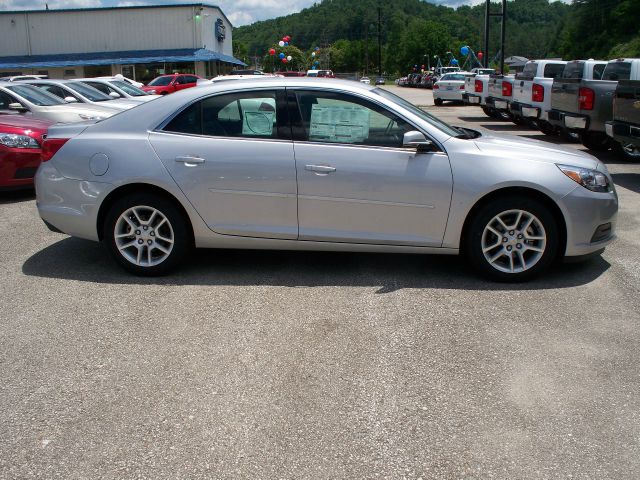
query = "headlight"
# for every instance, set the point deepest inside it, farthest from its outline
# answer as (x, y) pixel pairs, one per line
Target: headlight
(591, 179)
(18, 141)
(89, 117)
(151, 92)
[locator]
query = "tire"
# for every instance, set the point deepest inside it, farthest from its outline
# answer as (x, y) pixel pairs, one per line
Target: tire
(629, 152)
(518, 120)
(437, 102)
(536, 254)
(547, 128)
(596, 141)
(143, 242)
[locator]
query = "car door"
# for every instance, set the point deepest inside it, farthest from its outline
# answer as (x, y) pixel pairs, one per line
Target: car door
(232, 156)
(356, 183)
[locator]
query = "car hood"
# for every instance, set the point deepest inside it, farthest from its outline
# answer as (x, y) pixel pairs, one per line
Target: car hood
(122, 104)
(517, 147)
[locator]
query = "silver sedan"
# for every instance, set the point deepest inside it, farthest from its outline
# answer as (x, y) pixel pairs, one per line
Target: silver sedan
(293, 163)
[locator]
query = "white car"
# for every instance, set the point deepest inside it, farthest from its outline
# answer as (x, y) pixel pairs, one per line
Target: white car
(449, 87)
(74, 91)
(119, 76)
(365, 80)
(116, 88)
(21, 99)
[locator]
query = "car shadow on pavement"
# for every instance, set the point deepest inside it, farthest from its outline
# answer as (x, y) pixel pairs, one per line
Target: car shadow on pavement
(16, 196)
(82, 260)
(630, 181)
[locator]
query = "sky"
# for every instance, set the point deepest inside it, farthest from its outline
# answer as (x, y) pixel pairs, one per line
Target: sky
(240, 12)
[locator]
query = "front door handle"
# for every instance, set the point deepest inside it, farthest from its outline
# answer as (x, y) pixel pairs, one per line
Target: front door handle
(189, 160)
(320, 168)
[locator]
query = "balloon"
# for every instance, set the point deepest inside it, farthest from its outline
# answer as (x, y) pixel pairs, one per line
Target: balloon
(464, 51)
(289, 58)
(454, 62)
(480, 55)
(313, 54)
(284, 60)
(281, 55)
(272, 51)
(281, 43)
(317, 49)
(288, 38)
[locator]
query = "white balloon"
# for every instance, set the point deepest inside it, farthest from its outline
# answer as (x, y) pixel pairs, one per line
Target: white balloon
(289, 58)
(281, 43)
(313, 54)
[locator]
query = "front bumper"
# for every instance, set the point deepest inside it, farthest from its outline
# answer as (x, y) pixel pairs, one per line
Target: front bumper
(68, 205)
(17, 167)
(591, 220)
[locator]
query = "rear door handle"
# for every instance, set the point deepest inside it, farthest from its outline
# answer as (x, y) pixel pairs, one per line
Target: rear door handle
(189, 160)
(320, 168)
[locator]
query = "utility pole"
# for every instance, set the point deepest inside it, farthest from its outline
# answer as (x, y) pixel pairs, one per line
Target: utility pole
(379, 42)
(486, 33)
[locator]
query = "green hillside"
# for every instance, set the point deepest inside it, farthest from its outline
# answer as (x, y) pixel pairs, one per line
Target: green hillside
(346, 31)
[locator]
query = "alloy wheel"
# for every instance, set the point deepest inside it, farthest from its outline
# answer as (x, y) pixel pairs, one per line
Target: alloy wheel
(144, 236)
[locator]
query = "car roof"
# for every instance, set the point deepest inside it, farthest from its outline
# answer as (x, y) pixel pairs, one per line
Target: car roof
(276, 82)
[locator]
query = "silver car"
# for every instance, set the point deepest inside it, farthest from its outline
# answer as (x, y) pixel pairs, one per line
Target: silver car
(116, 88)
(73, 91)
(293, 163)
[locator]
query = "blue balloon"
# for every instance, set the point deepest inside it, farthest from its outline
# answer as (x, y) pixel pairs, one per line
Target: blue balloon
(286, 44)
(464, 51)
(281, 55)
(317, 49)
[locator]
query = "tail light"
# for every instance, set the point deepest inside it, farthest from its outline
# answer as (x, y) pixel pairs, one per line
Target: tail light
(537, 93)
(436, 86)
(50, 147)
(507, 89)
(478, 86)
(586, 98)
(461, 87)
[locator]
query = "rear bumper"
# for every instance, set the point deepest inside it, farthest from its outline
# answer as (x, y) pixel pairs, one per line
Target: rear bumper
(623, 132)
(498, 104)
(471, 99)
(574, 121)
(448, 94)
(524, 110)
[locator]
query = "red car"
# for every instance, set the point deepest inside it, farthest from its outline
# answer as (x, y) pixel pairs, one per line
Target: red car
(165, 84)
(20, 142)
(290, 73)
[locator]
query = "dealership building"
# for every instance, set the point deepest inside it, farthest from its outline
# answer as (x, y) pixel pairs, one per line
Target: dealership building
(139, 42)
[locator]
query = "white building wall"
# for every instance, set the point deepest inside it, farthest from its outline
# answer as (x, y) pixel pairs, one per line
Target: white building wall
(86, 31)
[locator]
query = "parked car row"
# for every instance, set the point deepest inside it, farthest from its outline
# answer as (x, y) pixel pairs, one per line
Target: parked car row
(595, 100)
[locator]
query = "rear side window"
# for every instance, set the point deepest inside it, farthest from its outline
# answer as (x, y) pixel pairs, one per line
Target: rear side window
(573, 70)
(529, 72)
(243, 115)
(553, 70)
(617, 71)
(598, 70)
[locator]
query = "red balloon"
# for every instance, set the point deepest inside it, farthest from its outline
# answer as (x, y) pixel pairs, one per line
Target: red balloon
(284, 60)
(272, 51)
(287, 38)
(480, 55)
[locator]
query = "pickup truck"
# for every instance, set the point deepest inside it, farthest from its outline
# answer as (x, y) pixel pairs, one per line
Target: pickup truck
(583, 106)
(624, 129)
(532, 90)
(499, 94)
(573, 73)
(476, 89)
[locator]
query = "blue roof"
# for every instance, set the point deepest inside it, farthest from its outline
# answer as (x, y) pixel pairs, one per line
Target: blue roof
(116, 58)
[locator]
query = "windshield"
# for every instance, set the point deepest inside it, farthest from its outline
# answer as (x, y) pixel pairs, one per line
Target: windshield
(160, 81)
(128, 89)
(36, 96)
(617, 71)
(430, 119)
(486, 71)
(88, 92)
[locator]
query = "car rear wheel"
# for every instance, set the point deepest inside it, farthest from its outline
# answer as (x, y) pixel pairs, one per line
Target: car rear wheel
(512, 239)
(437, 101)
(596, 141)
(547, 128)
(147, 234)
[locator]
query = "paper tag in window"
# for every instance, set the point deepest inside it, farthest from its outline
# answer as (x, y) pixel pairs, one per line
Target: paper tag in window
(341, 124)
(258, 123)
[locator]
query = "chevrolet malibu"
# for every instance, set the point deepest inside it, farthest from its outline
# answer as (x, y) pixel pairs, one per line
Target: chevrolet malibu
(313, 164)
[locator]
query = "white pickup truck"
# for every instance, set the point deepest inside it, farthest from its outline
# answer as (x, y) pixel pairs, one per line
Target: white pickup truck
(499, 95)
(532, 90)
(476, 88)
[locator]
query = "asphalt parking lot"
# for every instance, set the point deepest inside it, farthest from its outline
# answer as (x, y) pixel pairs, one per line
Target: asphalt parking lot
(318, 365)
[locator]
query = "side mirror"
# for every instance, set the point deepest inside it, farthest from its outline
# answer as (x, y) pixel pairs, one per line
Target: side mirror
(114, 94)
(417, 140)
(18, 107)
(71, 99)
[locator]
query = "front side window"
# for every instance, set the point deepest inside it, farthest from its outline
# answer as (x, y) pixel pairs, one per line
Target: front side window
(242, 114)
(5, 100)
(101, 87)
(329, 117)
(88, 92)
(161, 81)
(128, 89)
(598, 70)
(57, 91)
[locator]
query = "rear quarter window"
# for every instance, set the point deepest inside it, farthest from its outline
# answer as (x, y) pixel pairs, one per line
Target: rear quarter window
(617, 71)
(553, 70)
(573, 70)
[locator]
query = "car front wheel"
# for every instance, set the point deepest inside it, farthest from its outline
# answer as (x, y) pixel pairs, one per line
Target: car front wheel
(147, 234)
(512, 239)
